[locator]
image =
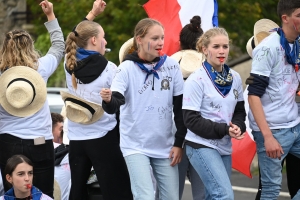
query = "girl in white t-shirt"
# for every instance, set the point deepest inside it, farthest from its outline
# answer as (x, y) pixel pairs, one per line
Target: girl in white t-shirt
(146, 88)
(92, 143)
(213, 112)
(21, 134)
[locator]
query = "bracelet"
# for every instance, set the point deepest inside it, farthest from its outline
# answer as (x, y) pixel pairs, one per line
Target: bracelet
(93, 14)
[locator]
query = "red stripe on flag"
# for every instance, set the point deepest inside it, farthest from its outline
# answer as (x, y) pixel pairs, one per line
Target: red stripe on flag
(243, 152)
(166, 12)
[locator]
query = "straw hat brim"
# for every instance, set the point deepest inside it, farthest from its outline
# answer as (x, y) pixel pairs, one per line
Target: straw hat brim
(250, 46)
(73, 114)
(262, 29)
(125, 49)
(189, 61)
(37, 81)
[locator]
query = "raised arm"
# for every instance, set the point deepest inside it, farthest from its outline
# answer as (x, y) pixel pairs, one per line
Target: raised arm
(47, 8)
(56, 36)
(98, 8)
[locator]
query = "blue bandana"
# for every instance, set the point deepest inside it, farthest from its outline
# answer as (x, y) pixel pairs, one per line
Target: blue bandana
(82, 53)
(292, 56)
(221, 80)
(152, 71)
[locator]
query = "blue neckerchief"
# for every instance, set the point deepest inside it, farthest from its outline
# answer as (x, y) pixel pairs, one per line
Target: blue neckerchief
(35, 193)
(292, 57)
(222, 80)
(82, 53)
(152, 71)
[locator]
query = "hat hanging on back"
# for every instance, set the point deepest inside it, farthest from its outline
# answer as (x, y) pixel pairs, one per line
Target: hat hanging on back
(81, 111)
(126, 48)
(23, 91)
(189, 61)
(250, 46)
(262, 29)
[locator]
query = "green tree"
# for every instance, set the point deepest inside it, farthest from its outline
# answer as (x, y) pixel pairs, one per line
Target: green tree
(118, 21)
(120, 16)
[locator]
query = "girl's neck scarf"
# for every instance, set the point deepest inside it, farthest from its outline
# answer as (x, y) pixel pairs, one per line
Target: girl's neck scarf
(152, 71)
(292, 55)
(82, 53)
(221, 80)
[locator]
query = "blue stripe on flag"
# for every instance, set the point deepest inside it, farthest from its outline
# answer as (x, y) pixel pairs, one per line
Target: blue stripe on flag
(215, 20)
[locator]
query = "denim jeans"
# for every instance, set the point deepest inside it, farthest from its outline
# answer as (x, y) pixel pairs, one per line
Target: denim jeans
(185, 168)
(214, 170)
(270, 168)
(140, 177)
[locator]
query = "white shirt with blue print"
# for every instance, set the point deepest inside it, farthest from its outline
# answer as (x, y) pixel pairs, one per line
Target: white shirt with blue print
(278, 101)
(146, 116)
(200, 94)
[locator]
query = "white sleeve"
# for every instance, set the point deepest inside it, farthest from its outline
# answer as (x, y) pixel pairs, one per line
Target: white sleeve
(192, 94)
(47, 65)
(240, 87)
(263, 60)
(178, 81)
(111, 70)
(120, 82)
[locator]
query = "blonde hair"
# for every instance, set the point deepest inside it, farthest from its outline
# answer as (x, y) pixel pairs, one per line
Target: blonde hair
(18, 50)
(78, 38)
(205, 39)
(142, 27)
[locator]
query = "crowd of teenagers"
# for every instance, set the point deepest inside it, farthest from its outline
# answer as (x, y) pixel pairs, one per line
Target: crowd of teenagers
(143, 126)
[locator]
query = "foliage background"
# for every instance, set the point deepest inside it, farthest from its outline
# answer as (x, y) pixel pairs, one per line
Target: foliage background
(120, 17)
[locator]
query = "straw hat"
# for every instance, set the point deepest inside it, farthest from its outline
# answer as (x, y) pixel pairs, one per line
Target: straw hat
(23, 91)
(250, 46)
(125, 49)
(81, 111)
(189, 61)
(262, 29)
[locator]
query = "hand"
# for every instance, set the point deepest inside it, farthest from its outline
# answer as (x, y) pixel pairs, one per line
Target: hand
(273, 148)
(235, 131)
(105, 94)
(176, 155)
(47, 8)
(98, 7)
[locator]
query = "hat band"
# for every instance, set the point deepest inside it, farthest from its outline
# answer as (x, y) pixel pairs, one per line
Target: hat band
(81, 104)
(252, 43)
(23, 79)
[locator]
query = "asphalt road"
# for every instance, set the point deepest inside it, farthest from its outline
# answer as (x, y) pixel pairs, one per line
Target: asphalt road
(244, 188)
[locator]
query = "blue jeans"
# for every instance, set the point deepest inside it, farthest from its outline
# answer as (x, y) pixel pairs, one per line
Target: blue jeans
(140, 177)
(185, 168)
(270, 168)
(297, 196)
(214, 170)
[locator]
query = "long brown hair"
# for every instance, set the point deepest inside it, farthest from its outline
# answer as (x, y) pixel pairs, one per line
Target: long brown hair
(18, 50)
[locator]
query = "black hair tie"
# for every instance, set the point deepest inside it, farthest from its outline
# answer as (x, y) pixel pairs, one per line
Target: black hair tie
(75, 32)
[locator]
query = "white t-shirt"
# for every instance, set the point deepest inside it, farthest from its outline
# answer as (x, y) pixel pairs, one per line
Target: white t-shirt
(39, 124)
(91, 92)
(201, 95)
(146, 116)
(278, 101)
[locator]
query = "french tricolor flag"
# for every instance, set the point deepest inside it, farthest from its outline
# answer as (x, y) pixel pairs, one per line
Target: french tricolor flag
(175, 14)
(243, 151)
